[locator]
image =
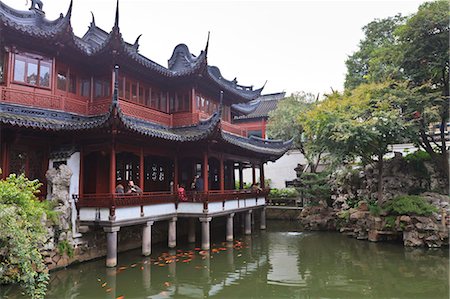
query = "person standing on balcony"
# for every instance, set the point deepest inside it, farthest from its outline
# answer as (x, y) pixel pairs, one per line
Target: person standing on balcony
(199, 185)
(132, 188)
(182, 193)
(119, 188)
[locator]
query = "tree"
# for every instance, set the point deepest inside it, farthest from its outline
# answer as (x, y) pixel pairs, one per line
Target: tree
(377, 58)
(424, 43)
(283, 124)
(361, 124)
(21, 234)
(414, 52)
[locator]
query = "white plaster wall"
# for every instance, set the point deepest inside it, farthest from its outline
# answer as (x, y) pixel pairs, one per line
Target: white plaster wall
(190, 207)
(128, 213)
(231, 205)
(214, 207)
(89, 214)
(159, 209)
(279, 171)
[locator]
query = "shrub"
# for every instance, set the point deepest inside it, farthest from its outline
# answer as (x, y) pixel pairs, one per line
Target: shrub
(21, 233)
(409, 205)
(65, 247)
(416, 161)
(283, 193)
(390, 222)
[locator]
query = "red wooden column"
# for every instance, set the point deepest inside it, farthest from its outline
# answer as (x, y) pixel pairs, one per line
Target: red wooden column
(205, 172)
(141, 169)
(221, 174)
(253, 174)
(193, 101)
(175, 173)
(261, 175)
(241, 176)
(112, 174)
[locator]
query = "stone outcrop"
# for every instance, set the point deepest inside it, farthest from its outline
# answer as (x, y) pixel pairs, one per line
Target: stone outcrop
(320, 217)
(354, 189)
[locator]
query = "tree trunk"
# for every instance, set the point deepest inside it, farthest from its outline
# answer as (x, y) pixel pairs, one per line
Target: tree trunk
(380, 179)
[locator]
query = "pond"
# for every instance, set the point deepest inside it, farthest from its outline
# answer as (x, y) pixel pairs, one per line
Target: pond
(282, 262)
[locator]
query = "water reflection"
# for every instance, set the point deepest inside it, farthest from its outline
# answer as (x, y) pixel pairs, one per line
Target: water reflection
(278, 263)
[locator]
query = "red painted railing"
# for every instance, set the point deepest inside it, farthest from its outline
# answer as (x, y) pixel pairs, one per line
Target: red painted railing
(113, 201)
(85, 107)
(51, 101)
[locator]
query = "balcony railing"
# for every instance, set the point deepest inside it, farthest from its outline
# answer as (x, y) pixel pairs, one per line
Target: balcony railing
(98, 106)
(51, 101)
(114, 201)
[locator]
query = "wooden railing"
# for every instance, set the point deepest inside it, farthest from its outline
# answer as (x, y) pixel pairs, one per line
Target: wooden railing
(85, 107)
(51, 101)
(113, 201)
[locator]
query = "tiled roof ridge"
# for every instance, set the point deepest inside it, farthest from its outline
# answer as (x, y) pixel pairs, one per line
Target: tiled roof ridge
(96, 41)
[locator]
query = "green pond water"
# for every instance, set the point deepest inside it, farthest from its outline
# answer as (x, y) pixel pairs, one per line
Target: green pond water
(282, 262)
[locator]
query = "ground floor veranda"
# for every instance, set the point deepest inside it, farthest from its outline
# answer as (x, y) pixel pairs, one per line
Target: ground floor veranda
(99, 164)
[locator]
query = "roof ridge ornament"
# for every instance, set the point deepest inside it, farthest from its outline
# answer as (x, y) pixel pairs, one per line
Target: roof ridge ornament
(116, 21)
(207, 43)
(93, 20)
(136, 43)
(39, 4)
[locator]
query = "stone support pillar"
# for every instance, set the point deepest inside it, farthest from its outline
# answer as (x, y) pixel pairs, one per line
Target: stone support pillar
(205, 232)
(248, 223)
(111, 245)
(191, 230)
(173, 232)
(263, 219)
(230, 227)
(147, 238)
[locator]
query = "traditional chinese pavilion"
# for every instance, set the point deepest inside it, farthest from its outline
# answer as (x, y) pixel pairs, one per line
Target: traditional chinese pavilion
(111, 114)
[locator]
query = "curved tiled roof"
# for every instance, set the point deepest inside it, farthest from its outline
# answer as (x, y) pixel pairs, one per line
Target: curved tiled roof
(96, 41)
(266, 104)
(33, 22)
(273, 148)
(45, 119)
(181, 134)
(22, 116)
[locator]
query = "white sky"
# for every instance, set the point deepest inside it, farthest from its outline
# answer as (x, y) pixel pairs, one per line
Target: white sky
(294, 45)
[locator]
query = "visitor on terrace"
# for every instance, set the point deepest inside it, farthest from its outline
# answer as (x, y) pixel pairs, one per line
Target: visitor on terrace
(182, 193)
(132, 188)
(256, 188)
(119, 188)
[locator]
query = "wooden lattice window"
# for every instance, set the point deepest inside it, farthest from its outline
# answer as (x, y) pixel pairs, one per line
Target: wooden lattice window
(32, 70)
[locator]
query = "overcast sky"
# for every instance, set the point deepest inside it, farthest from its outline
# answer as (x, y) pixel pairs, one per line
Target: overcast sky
(294, 45)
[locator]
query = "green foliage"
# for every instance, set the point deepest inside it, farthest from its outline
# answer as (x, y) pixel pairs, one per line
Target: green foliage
(284, 124)
(246, 185)
(414, 53)
(409, 205)
(390, 222)
(374, 208)
(65, 248)
(21, 233)
(377, 58)
(424, 41)
(417, 161)
(283, 193)
(315, 187)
